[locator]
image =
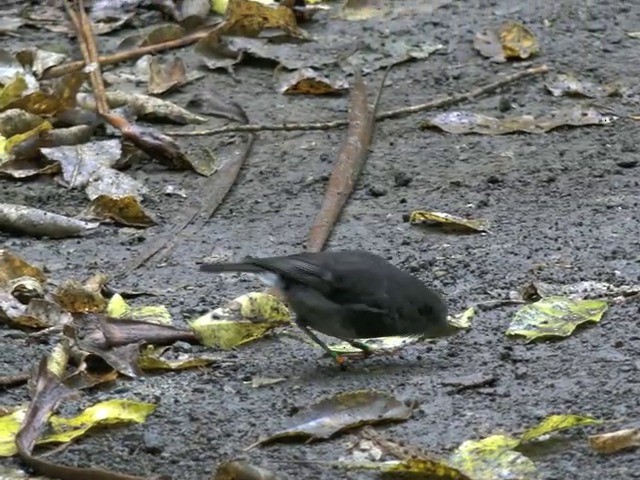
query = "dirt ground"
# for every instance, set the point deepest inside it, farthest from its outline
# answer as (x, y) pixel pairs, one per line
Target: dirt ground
(563, 207)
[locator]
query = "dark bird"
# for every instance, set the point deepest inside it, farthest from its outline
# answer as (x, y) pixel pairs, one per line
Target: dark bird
(349, 295)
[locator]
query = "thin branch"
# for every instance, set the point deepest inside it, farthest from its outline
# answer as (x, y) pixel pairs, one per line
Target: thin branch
(399, 112)
(350, 162)
(133, 54)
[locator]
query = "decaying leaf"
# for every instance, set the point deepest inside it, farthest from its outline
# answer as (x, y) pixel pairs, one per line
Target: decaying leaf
(12, 267)
(40, 223)
(249, 18)
(341, 412)
(245, 319)
(568, 84)
(164, 77)
(242, 471)
(79, 163)
(151, 358)
(22, 146)
(119, 308)
(76, 297)
(587, 289)
(488, 459)
(307, 81)
(448, 222)
(495, 456)
(125, 210)
(38, 61)
(145, 107)
(364, 9)
(511, 40)
(467, 122)
(555, 317)
(25, 289)
(15, 121)
(63, 430)
(615, 441)
(463, 319)
(56, 100)
(157, 34)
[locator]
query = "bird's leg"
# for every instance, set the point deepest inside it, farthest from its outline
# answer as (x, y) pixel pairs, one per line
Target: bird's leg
(336, 356)
(366, 349)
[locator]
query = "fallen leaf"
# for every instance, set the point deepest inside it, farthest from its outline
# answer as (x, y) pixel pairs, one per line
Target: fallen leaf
(119, 308)
(447, 221)
(151, 358)
(555, 317)
(249, 18)
(341, 412)
(245, 319)
(125, 210)
(587, 289)
(363, 9)
(144, 107)
(40, 223)
(615, 441)
(568, 84)
(511, 40)
(165, 77)
(556, 423)
(242, 471)
(12, 267)
(467, 122)
(75, 297)
(307, 81)
(463, 319)
(79, 163)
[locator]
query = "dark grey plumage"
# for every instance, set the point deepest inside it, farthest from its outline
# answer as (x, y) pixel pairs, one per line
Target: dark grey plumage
(351, 294)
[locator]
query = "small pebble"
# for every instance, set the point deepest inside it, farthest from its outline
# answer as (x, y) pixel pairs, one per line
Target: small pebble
(376, 191)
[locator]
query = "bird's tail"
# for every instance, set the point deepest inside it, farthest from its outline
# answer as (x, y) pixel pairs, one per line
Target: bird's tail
(230, 267)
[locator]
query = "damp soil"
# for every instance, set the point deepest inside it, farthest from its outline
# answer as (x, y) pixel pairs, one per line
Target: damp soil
(563, 206)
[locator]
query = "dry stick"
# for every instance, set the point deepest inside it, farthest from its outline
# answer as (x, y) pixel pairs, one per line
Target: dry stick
(97, 82)
(65, 68)
(219, 186)
(351, 160)
(399, 112)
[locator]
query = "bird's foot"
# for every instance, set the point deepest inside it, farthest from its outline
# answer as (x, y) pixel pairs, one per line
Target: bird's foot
(339, 359)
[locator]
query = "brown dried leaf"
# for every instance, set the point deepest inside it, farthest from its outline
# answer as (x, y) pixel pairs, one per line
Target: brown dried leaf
(614, 441)
(80, 298)
(248, 18)
(511, 40)
(125, 210)
(307, 81)
(364, 9)
(160, 34)
(61, 98)
(242, 471)
(165, 77)
(12, 266)
(422, 217)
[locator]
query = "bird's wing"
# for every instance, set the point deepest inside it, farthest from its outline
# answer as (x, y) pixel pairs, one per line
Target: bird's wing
(302, 268)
